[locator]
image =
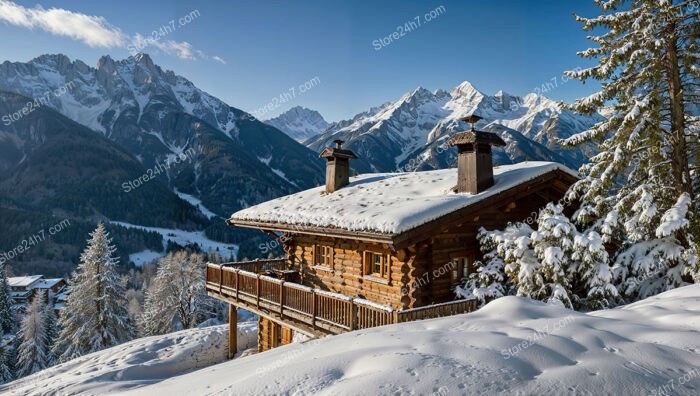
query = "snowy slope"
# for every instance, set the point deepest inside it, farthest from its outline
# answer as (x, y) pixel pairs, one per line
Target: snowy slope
(627, 351)
(182, 238)
(136, 363)
(631, 350)
(299, 123)
(392, 135)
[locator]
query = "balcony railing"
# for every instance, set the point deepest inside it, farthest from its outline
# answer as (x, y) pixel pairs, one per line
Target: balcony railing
(314, 310)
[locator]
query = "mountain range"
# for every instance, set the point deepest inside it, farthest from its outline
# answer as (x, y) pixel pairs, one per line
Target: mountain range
(405, 134)
(73, 136)
(150, 116)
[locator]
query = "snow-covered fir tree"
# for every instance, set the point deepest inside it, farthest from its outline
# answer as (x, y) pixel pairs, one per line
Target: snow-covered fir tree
(555, 263)
(5, 363)
(52, 332)
(35, 345)
(553, 244)
(7, 320)
(95, 315)
(489, 281)
(594, 273)
(177, 296)
(640, 191)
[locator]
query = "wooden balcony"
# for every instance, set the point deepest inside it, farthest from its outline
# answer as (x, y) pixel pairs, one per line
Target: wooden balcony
(308, 310)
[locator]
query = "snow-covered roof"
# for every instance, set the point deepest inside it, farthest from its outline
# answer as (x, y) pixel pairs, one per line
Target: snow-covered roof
(388, 203)
(23, 281)
(48, 283)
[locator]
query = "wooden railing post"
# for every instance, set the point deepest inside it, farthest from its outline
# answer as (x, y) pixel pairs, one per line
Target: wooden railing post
(257, 290)
(257, 266)
(232, 331)
(221, 278)
(396, 316)
(353, 315)
(313, 309)
(282, 299)
(237, 285)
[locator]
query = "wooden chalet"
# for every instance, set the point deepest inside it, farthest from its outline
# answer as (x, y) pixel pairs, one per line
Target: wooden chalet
(379, 248)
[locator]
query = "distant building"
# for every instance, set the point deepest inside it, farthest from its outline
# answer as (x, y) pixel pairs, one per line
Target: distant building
(24, 288)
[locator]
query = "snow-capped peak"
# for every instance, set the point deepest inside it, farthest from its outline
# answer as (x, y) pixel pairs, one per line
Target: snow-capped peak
(299, 123)
(465, 89)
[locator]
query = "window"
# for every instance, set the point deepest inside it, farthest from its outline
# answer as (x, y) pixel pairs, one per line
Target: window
(277, 330)
(460, 269)
(376, 264)
(323, 256)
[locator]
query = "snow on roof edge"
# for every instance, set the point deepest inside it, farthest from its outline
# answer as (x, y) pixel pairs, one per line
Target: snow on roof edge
(388, 203)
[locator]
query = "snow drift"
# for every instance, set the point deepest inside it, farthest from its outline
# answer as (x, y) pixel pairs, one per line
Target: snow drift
(513, 345)
(136, 363)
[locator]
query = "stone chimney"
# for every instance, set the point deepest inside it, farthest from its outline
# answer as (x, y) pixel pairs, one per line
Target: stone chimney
(474, 162)
(337, 167)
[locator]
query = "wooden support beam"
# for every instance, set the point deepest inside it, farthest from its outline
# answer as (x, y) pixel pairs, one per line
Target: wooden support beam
(232, 331)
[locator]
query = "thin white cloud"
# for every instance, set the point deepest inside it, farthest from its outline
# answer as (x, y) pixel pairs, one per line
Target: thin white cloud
(218, 59)
(182, 50)
(92, 30)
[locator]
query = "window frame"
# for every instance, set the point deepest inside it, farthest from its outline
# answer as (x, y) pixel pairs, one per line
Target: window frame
(369, 261)
(323, 257)
(460, 268)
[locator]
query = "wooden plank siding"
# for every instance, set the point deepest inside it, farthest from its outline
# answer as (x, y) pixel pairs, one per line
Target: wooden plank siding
(272, 334)
(346, 276)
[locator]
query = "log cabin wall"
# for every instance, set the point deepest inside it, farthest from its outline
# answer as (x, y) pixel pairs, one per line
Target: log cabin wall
(272, 334)
(438, 269)
(425, 272)
(345, 272)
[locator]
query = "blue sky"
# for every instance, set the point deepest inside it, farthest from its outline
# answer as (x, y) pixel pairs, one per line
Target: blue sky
(269, 48)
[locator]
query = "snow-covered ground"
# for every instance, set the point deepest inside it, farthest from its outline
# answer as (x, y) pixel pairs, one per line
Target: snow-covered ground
(182, 238)
(197, 204)
(137, 363)
(144, 257)
(512, 346)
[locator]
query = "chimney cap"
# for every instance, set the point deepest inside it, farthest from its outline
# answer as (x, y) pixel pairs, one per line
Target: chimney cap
(477, 137)
(472, 119)
(337, 151)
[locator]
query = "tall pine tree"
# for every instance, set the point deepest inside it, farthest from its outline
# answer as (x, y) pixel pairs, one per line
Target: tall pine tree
(5, 363)
(177, 296)
(35, 345)
(7, 320)
(95, 316)
(640, 191)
